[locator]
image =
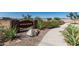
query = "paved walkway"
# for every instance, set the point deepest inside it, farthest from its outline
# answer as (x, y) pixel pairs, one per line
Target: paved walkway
(54, 37)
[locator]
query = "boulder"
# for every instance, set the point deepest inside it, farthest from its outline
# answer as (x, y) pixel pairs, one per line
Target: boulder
(36, 32)
(32, 32)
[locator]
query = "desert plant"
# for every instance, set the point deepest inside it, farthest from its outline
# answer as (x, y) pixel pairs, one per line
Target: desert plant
(10, 33)
(53, 24)
(1, 33)
(49, 19)
(1, 28)
(57, 18)
(40, 24)
(71, 34)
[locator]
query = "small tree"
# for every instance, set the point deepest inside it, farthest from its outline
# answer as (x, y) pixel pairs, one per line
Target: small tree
(49, 19)
(73, 16)
(28, 17)
(70, 15)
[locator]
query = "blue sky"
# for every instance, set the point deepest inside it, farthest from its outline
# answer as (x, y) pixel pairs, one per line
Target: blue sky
(40, 14)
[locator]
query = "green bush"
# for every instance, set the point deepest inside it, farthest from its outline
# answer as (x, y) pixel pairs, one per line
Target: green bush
(57, 18)
(48, 24)
(53, 24)
(71, 34)
(40, 24)
(49, 19)
(10, 33)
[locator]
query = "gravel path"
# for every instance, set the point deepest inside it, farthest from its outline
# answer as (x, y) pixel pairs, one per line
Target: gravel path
(54, 37)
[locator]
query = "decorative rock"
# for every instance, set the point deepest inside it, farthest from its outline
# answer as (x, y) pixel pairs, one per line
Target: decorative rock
(32, 32)
(36, 32)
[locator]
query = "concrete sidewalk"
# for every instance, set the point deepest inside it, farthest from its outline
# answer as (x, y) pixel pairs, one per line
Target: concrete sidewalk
(54, 37)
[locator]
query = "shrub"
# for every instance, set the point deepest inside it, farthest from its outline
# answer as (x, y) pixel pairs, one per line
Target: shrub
(49, 19)
(1, 34)
(40, 24)
(53, 24)
(1, 28)
(71, 34)
(48, 24)
(57, 18)
(10, 33)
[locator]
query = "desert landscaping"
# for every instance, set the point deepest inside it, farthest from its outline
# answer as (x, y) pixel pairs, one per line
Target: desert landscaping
(37, 31)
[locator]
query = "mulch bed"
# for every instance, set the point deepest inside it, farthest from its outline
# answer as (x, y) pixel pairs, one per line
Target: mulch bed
(25, 40)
